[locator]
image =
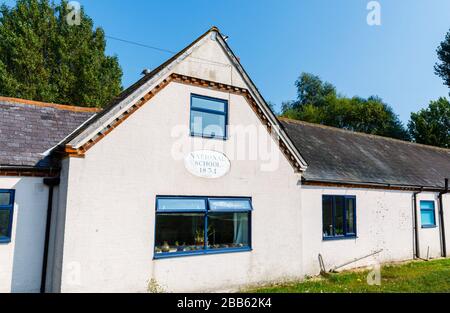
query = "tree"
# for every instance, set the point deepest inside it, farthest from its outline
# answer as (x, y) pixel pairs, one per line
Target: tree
(442, 68)
(432, 125)
(44, 58)
(311, 90)
(318, 102)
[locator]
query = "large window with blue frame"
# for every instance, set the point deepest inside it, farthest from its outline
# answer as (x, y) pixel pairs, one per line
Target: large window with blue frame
(338, 216)
(201, 225)
(6, 214)
(208, 117)
(427, 214)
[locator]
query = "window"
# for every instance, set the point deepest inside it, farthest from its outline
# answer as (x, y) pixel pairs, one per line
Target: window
(427, 214)
(338, 217)
(208, 117)
(6, 214)
(197, 225)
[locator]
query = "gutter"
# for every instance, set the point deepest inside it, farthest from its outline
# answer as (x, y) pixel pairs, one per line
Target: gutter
(18, 170)
(51, 183)
(441, 219)
(360, 184)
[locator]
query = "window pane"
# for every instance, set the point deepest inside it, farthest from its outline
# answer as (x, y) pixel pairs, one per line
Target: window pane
(223, 205)
(181, 204)
(427, 205)
(207, 124)
(427, 217)
(327, 216)
(177, 232)
(228, 230)
(4, 222)
(209, 104)
(350, 218)
(339, 216)
(5, 198)
(427, 213)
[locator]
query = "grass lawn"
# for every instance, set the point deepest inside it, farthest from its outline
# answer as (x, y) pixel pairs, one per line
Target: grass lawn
(415, 276)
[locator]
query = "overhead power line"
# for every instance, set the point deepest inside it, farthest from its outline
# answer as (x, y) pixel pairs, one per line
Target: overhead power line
(205, 61)
(140, 44)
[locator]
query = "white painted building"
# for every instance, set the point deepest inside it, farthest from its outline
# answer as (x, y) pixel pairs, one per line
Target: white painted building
(189, 182)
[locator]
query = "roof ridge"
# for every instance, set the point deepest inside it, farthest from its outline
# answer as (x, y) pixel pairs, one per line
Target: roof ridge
(66, 107)
(361, 133)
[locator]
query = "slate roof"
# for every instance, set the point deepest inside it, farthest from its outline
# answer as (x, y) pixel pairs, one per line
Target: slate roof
(336, 155)
(29, 128)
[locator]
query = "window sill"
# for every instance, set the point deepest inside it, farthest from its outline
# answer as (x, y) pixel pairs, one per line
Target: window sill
(209, 137)
(428, 226)
(197, 253)
(5, 240)
(339, 238)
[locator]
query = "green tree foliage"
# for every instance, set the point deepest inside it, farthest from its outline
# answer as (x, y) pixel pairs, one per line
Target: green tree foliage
(442, 68)
(44, 58)
(432, 125)
(311, 90)
(318, 102)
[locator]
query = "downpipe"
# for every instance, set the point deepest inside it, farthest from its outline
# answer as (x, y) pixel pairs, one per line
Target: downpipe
(51, 183)
(416, 226)
(441, 219)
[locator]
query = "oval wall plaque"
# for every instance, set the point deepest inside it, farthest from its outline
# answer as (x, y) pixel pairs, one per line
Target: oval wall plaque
(207, 164)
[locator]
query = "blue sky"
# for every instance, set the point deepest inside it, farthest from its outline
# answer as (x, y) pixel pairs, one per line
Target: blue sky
(277, 40)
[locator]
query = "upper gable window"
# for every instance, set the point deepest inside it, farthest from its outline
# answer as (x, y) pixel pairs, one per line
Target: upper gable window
(209, 117)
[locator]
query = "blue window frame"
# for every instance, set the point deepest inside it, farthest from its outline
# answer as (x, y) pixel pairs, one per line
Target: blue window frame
(6, 214)
(201, 225)
(338, 217)
(427, 214)
(209, 117)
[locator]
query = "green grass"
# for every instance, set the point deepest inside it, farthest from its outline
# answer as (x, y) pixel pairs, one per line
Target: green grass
(415, 276)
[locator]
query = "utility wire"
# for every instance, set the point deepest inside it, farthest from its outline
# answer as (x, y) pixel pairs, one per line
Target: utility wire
(140, 44)
(161, 49)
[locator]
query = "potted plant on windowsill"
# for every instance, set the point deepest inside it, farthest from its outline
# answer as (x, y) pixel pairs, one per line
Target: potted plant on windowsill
(183, 247)
(165, 247)
(200, 238)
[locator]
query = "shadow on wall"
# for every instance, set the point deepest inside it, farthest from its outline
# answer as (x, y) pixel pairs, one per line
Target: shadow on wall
(30, 212)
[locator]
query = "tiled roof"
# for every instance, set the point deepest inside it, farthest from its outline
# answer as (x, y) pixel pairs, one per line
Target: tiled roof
(30, 128)
(336, 155)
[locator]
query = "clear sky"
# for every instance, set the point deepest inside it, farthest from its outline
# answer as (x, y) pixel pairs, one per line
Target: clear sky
(277, 40)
